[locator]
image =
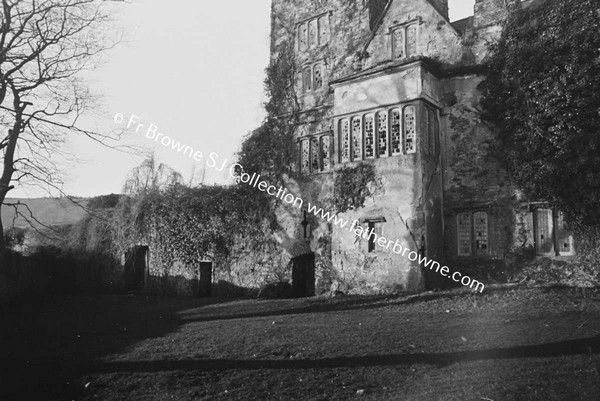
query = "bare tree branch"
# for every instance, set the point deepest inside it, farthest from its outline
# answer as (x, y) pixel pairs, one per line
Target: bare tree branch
(44, 47)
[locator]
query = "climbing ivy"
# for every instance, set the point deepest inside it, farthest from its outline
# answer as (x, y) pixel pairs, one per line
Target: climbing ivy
(353, 185)
(270, 149)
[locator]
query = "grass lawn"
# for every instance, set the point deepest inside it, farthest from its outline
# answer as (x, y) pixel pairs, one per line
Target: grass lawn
(525, 344)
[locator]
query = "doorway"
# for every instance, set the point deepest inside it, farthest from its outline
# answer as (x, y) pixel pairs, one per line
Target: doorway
(204, 289)
(136, 268)
(303, 276)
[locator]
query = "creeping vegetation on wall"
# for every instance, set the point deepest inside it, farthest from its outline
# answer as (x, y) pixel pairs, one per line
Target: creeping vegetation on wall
(181, 224)
(353, 185)
(270, 150)
(543, 94)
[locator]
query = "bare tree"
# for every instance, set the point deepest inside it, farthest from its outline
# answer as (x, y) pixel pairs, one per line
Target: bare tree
(151, 176)
(44, 46)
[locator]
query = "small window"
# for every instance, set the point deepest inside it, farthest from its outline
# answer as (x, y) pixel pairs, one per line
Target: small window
(398, 43)
(323, 30)
(464, 234)
(318, 76)
(480, 224)
(411, 40)
(396, 130)
(307, 79)
(345, 139)
(303, 37)
(370, 136)
(375, 231)
(305, 156)
(382, 133)
(356, 138)
(472, 234)
(325, 152)
(313, 77)
(410, 130)
(405, 41)
(312, 33)
(315, 154)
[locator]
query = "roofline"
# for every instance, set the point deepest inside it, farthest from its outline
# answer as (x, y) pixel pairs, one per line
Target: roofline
(386, 70)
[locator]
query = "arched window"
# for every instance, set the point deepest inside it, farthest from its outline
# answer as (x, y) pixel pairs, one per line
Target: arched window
(307, 79)
(303, 37)
(315, 154)
(410, 130)
(325, 152)
(345, 140)
(305, 157)
(396, 132)
(323, 30)
(398, 43)
(369, 136)
(411, 40)
(356, 138)
(312, 33)
(382, 133)
(318, 76)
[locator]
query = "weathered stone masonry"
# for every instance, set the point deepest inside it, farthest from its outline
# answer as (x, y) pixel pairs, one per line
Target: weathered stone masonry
(369, 92)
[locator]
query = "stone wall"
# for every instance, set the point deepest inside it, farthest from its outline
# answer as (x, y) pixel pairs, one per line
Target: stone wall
(436, 39)
(243, 273)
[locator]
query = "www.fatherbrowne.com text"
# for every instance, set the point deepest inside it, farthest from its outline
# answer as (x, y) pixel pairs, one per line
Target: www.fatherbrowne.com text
(236, 171)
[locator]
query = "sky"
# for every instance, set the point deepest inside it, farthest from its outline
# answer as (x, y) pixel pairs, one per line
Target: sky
(193, 69)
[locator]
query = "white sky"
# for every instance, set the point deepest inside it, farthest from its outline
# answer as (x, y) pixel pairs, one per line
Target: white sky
(194, 69)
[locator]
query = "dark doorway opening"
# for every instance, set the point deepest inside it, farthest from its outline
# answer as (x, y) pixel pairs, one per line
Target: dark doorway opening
(204, 288)
(136, 268)
(303, 276)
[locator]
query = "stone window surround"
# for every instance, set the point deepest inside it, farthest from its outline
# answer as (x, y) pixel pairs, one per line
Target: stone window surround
(473, 251)
(311, 67)
(309, 138)
(375, 224)
(350, 116)
(404, 27)
(307, 21)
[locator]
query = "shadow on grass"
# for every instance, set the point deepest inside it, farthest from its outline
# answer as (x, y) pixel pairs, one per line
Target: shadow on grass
(333, 305)
(45, 348)
(587, 346)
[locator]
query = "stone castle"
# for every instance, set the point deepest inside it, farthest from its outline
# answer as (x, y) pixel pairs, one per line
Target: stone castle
(393, 84)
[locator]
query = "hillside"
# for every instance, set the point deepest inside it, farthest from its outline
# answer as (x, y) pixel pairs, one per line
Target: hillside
(49, 211)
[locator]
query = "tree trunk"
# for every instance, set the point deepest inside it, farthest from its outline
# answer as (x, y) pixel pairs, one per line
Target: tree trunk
(2, 244)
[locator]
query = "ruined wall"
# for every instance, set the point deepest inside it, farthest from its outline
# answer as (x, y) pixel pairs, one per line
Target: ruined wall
(243, 273)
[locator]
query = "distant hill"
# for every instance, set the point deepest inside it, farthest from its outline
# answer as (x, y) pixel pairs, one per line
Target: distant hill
(49, 211)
